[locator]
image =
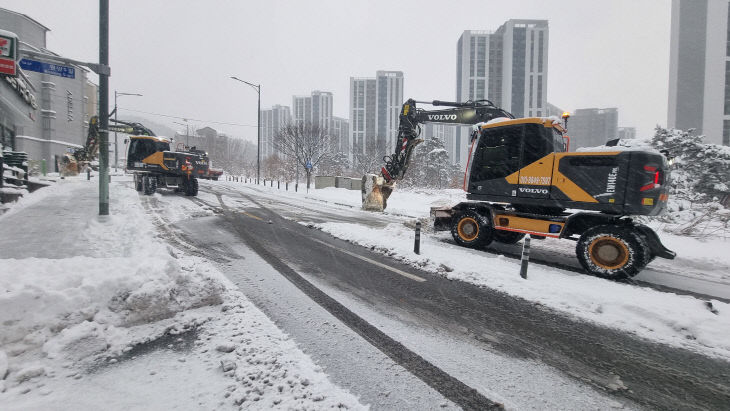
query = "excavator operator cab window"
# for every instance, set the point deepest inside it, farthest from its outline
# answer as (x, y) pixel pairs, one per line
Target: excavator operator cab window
(498, 153)
(538, 143)
(558, 140)
(141, 148)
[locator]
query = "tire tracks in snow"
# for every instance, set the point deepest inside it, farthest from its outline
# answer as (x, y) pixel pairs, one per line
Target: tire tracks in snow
(448, 386)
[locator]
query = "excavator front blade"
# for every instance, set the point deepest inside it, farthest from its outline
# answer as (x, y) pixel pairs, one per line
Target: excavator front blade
(375, 192)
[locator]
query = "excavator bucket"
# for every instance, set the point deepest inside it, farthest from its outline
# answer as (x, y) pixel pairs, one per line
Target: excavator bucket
(375, 192)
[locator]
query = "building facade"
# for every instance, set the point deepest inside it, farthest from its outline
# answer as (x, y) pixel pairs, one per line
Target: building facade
(340, 131)
(509, 67)
(375, 104)
(362, 113)
(272, 121)
(592, 127)
(389, 100)
(52, 117)
(315, 109)
(699, 68)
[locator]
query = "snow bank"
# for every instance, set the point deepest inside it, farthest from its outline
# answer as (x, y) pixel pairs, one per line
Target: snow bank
(62, 316)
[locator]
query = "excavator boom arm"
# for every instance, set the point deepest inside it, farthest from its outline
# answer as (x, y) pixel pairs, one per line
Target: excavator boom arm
(467, 113)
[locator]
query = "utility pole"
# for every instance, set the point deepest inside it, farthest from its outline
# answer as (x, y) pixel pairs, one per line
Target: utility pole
(104, 108)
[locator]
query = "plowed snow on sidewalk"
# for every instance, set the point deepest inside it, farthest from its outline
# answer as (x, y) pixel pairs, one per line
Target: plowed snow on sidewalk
(123, 320)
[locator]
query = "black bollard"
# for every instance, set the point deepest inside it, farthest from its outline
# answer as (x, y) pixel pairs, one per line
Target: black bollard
(278, 185)
(88, 173)
(417, 243)
(287, 186)
(525, 256)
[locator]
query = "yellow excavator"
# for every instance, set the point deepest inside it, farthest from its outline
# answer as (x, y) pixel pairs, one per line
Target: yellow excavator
(520, 179)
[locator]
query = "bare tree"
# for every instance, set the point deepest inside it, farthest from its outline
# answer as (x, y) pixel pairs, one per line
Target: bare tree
(305, 142)
(369, 160)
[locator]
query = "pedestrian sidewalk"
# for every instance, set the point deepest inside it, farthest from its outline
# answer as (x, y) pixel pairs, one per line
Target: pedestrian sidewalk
(50, 223)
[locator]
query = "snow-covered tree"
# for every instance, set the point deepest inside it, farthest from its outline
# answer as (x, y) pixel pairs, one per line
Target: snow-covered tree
(367, 161)
(305, 143)
(701, 172)
(335, 164)
(430, 166)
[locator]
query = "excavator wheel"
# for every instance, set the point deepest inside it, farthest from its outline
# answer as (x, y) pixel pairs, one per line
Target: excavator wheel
(507, 237)
(471, 229)
(191, 187)
(137, 182)
(150, 185)
(613, 252)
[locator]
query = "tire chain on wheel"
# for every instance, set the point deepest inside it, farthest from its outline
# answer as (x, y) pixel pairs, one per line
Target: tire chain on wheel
(485, 231)
(639, 253)
(191, 187)
(150, 185)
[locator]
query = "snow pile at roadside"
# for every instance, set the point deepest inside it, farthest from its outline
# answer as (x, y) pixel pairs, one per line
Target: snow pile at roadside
(681, 321)
(127, 287)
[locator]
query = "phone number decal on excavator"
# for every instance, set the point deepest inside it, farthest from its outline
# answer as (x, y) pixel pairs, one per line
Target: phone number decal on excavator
(535, 180)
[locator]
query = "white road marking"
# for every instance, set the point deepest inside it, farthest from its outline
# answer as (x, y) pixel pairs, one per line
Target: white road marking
(381, 265)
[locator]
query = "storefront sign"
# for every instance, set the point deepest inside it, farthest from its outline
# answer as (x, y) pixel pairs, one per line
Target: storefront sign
(8, 53)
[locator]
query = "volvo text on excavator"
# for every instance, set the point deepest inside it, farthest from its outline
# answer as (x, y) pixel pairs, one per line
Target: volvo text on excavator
(521, 179)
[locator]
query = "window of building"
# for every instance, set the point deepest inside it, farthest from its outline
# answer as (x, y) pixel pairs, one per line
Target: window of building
(727, 87)
(472, 55)
(727, 46)
(532, 54)
(726, 132)
(481, 56)
(539, 91)
(539, 50)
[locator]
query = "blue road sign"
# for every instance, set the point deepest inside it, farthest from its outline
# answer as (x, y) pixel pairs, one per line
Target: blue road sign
(309, 165)
(48, 68)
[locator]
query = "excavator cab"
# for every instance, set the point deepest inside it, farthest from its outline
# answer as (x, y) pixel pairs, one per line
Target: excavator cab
(501, 151)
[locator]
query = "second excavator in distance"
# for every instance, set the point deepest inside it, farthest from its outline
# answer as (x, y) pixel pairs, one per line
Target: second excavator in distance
(520, 178)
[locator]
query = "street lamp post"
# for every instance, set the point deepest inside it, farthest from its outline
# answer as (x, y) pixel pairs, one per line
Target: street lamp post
(116, 150)
(256, 87)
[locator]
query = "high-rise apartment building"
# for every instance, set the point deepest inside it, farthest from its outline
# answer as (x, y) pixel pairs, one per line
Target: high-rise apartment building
(389, 100)
(699, 68)
(315, 109)
(301, 109)
(375, 105)
(508, 67)
(591, 127)
(272, 120)
(340, 131)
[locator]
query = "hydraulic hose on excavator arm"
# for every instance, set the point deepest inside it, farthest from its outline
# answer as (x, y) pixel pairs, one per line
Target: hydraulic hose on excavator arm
(376, 189)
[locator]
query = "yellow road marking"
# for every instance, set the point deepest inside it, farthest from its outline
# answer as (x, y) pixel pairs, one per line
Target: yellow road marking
(251, 215)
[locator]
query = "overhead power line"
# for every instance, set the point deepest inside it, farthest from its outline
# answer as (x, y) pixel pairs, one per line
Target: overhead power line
(189, 118)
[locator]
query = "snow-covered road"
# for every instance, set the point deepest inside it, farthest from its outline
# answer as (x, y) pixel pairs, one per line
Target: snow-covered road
(472, 331)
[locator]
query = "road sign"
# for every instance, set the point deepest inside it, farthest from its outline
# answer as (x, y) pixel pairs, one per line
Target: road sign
(8, 52)
(309, 165)
(48, 68)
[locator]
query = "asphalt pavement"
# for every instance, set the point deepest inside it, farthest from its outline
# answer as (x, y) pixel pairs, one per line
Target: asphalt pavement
(633, 371)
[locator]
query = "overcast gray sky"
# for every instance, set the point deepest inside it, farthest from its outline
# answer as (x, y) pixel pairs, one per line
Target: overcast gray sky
(180, 54)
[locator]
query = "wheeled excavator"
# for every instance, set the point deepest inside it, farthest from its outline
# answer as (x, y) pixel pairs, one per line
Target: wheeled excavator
(520, 179)
(149, 158)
